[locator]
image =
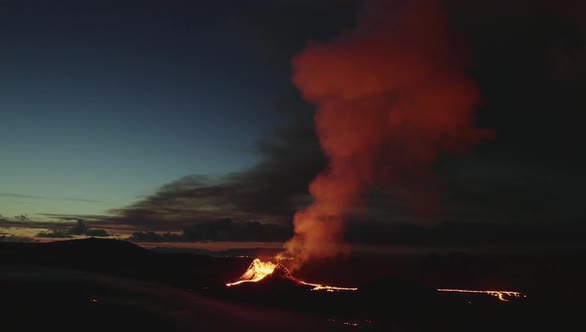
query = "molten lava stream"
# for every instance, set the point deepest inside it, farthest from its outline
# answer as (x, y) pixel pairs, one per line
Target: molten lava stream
(258, 270)
(500, 294)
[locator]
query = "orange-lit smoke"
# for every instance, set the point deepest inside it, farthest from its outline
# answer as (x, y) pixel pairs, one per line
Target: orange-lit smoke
(390, 96)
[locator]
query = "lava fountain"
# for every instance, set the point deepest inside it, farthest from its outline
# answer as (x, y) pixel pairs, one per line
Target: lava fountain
(258, 270)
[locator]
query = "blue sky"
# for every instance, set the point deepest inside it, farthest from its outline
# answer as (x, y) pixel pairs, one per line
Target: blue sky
(103, 113)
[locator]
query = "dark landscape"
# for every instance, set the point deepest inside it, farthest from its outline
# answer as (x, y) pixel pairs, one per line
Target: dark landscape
(110, 284)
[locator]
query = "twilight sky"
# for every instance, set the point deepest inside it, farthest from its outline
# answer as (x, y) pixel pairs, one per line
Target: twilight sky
(103, 103)
(181, 116)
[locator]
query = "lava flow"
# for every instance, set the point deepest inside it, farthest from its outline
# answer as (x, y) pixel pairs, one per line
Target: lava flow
(258, 270)
(501, 295)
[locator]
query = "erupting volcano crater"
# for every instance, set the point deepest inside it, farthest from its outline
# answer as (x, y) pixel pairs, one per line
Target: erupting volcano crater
(259, 270)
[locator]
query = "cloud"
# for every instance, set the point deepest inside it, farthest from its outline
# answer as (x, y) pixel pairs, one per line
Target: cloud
(4, 237)
(466, 234)
(269, 192)
(448, 235)
(8, 223)
(54, 233)
(73, 217)
(227, 230)
(512, 191)
(221, 230)
(79, 228)
(22, 217)
(69, 199)
(61, 229)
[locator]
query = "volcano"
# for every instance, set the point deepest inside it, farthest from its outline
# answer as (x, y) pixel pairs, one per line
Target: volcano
(260, 270)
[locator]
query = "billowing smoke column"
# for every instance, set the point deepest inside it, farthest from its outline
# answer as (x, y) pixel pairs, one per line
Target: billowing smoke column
(391, 97)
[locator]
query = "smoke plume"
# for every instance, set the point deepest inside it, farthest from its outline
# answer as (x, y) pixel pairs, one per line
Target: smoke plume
(390, 97)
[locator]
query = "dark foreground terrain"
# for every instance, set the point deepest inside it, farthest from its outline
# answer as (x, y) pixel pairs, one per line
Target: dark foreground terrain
(98, 285)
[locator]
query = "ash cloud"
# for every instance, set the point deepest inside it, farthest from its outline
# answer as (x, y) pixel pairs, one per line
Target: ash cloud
(391, 97)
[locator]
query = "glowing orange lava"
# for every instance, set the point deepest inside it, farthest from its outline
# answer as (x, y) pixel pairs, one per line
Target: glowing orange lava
(500, 294)
(317, 287)
(258, 270)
